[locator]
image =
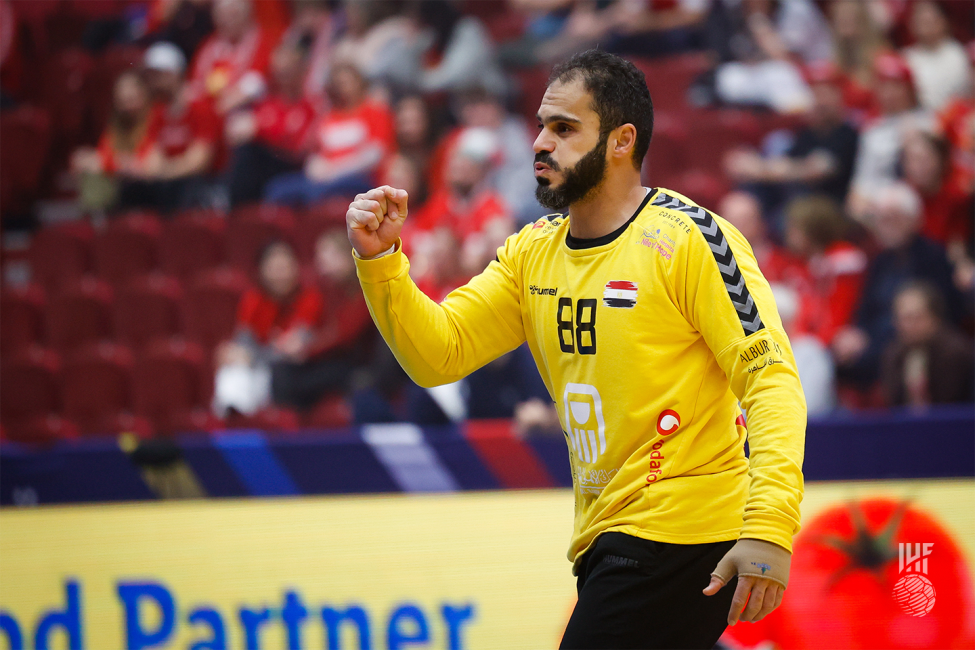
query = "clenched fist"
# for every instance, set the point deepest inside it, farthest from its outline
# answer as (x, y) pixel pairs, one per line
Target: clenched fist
(375, 220)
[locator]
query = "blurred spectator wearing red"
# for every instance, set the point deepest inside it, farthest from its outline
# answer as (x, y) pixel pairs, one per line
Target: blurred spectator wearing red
(947, 206)
(957, 121)
(821, 157)
(313, 29)
(858, 39)
(123, 149)
(230, 67)
(340, 344)
(269, 139)
(351, 142)
(467, 206)
(928, 362)
(815, 230)
(275, 321)
(938, 61)
(481, 109)
(905, 255)
(185, 136)
(882, 139)
(743, 211)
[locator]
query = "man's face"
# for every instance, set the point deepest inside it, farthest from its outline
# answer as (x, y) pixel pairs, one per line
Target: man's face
(913, 319)
(892, 226)
(570, 155)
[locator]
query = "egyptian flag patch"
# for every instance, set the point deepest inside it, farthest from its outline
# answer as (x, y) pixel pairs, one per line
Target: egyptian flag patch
(620, 293)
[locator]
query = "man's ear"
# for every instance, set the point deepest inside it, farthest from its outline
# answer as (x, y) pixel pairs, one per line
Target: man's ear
(624, 140)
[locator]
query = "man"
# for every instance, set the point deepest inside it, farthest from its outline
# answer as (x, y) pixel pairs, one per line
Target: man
(185, 137)
(649, 320)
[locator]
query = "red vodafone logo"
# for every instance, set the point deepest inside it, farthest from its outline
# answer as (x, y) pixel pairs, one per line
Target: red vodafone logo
(668, 422)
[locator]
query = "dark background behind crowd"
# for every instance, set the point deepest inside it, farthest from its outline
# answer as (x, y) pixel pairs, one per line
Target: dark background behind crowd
(174, 176)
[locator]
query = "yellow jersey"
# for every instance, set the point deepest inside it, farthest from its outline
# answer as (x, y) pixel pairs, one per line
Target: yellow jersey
(647, 339)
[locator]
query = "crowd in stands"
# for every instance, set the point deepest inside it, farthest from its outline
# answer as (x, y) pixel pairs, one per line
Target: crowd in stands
(207, 150)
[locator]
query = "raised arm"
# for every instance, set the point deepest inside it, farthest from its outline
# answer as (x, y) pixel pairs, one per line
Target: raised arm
(435, 343)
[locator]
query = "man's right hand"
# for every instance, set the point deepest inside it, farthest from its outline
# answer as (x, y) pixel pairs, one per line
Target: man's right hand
(375, 219)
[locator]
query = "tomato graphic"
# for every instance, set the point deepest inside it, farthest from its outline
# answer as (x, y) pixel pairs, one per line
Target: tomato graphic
(846, 589)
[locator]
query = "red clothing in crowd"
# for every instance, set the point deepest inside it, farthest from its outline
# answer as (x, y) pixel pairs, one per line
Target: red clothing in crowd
(342, 133)
(346, 321)
(220, 64)
(176, 131)
(463, 217)
(836, 280)
(948, 212)
(779, 266)
(111, 157)
(267, 319)
(958, 124)
(284, 124)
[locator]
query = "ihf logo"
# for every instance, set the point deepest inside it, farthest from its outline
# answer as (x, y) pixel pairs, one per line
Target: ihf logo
(913, 591)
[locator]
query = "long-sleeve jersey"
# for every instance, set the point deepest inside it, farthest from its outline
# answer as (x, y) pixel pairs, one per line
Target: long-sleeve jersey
(647, 339)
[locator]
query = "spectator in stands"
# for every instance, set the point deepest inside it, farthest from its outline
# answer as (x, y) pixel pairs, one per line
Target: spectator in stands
(122, 149)
(555, 29)
(858, 40)
(275, 322)
(743, 211)
(947, 206)
(815, 230)
(657, 27)
(928, 362)
(313, 29)
(452, 52)
(905, 255)
(377, 37)
(481, 109)
(184, 23)
(467, 205)
(763, 72)
(11, 58)
(957, 122)
(882, 139)
(185, 136)
(351, 142)
(340, 344)
(939, 63)
(230, 67)
(821, 157)
(270, 139)
(813, 360)
(416, 139)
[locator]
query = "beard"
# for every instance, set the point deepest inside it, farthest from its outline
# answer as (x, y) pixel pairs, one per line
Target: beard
(579, 181)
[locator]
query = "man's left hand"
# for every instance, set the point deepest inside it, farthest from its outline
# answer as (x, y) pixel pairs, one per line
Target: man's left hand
(763, 574)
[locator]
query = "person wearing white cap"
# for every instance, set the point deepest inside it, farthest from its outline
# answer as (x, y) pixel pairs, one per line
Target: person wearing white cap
(185, 134)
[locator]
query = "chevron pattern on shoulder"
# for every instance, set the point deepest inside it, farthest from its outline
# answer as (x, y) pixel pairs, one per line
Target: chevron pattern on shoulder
(734, 282)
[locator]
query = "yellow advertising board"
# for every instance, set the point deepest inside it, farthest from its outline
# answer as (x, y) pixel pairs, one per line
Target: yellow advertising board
(463, 570)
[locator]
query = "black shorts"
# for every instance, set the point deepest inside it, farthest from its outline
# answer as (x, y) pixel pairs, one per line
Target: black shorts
(635, 593)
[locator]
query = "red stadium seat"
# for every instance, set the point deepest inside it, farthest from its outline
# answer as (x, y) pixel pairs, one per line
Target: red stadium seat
(80, 314)
(22, 310)
(192, 242)
(128, 247)
(307, 233)
(332, 210)
(59, 86)
(148, 308)
(30, 385)
(250, 229)
(331, 412)
(701, 187)
(713, 133)
(43, 430)
(61, 254)
(211, 305)
(669, 78)
(97, 386)
(26, 136)
(168, 383)
(271, 418)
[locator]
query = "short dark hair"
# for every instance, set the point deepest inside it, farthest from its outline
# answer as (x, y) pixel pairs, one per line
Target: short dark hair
(933, 298)
(619, 94)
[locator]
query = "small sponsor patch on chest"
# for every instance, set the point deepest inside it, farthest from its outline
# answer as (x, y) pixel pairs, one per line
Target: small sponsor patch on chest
(620, 293)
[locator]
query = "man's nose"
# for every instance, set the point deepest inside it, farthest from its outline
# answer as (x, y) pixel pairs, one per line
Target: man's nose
(543, 143)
